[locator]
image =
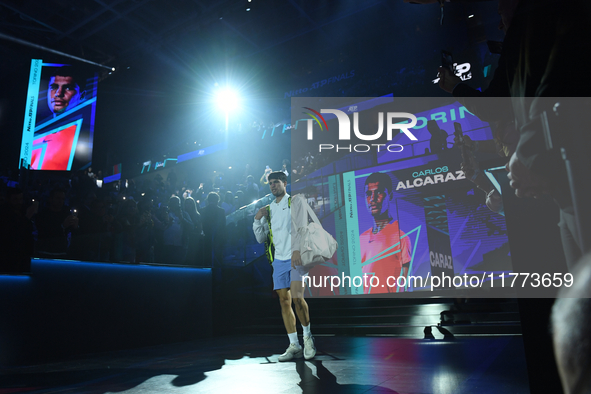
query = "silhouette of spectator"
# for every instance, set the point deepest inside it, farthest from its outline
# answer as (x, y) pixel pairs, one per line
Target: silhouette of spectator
(214, 227)
(172, 179)
(161, 222)
(191, 209)
(539, 62)
(84, 211)
(98, 229)
(16, 233)
(145, 233)
(54, 226)
(195, 247)
(80, 244)
(438, 141)
(239, 200)
(227, 205)
(176, 234)
(125, 228)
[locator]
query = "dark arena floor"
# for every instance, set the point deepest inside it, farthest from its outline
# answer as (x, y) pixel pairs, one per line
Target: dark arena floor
(249, 364)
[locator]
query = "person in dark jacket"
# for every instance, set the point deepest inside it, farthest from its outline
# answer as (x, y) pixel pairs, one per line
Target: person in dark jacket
(16, 233)
(213, 219)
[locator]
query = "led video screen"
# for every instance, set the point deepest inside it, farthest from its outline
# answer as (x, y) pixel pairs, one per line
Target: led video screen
(59, 117)
(405, 217)
(429, 222)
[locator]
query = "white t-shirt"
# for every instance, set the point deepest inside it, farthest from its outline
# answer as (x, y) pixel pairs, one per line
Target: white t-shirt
(283, 226)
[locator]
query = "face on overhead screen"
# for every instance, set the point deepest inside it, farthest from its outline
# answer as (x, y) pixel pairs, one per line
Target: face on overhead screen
(63, 93)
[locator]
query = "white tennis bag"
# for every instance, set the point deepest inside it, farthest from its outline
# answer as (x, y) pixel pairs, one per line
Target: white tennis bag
(317, 245)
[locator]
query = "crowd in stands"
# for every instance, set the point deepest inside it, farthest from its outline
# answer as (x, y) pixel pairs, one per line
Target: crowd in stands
(169, 221)
(158, 220)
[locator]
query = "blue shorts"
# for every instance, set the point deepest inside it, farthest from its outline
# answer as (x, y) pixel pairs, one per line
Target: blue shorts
(283, 274)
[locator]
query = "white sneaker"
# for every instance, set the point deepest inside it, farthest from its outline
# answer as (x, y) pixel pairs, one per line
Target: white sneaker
(293, 351)
(309, 348)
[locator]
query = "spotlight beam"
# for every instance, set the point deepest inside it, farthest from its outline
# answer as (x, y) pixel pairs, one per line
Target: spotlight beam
(30, 44)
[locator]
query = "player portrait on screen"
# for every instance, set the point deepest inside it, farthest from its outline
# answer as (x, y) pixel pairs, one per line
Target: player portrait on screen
(63, 132)
(384, 249)
(64, 90)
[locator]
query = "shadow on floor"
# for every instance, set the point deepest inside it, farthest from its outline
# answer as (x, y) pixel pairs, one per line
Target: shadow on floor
(325, 382)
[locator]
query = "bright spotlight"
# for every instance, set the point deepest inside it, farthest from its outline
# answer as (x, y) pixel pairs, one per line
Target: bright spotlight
(227, 100)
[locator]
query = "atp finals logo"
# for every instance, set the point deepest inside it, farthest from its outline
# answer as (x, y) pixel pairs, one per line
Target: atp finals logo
(345, 130)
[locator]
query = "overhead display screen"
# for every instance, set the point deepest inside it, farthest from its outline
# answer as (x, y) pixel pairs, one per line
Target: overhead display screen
(416, 219)
(404, 218)
(59, 117)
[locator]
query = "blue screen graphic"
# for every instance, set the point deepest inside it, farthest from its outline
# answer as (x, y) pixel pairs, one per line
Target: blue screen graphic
(60, 112)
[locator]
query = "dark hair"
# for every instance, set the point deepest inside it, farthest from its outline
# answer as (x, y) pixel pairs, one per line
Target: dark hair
(174, 200)
(278, 175)
(127, 206)
(228, 195)
(383, 179)
(55, 190)
(13, 191)
(144, 205)
(68, 71)
(433, 127)
(213, 198)
(191, 202)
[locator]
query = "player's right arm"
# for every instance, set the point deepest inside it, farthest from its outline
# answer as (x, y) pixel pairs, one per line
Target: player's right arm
(260, 227)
